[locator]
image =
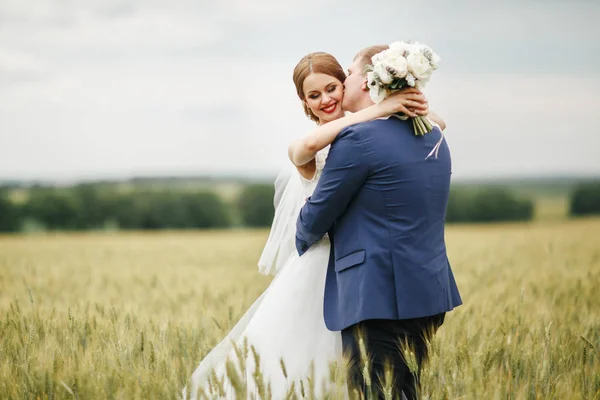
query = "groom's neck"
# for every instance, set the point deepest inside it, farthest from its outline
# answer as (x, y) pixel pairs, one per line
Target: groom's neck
(364, 102)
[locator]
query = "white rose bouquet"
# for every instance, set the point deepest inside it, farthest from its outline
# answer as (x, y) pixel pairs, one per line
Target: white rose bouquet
(403, 64)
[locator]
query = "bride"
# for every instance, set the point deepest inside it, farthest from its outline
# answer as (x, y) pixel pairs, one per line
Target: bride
(282, 339)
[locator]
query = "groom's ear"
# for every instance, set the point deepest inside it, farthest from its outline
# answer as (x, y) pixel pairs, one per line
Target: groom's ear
(365, 85)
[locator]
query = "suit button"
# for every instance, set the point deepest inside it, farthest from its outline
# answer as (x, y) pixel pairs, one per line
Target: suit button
(304, 247)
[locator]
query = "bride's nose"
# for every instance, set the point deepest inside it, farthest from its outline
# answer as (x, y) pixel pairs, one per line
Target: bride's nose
(325, 99)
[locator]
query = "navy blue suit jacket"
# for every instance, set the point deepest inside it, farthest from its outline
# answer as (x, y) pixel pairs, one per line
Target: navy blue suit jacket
(384, 205)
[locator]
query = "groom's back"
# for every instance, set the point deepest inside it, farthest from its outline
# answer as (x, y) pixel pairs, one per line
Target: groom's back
(406, 190)
(390, 254)
(413, 187)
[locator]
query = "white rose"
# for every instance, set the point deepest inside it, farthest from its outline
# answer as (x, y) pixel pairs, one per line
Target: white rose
(435, 60)
(419, 65)
(400, 66)
(371, 79)
(420, 46)
(400, 47)
(377, 94)
(379, 57)
(384, 75)
(393, 57)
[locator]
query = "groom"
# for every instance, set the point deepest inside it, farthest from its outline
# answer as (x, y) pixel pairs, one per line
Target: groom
(383, 203)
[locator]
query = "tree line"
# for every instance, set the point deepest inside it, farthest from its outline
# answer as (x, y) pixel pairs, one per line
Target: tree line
(96, 206)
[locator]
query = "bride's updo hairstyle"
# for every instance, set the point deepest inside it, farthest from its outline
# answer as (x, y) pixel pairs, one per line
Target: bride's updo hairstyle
(318, 63)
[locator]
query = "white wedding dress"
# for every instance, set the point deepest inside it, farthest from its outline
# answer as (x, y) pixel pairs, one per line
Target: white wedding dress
(286, 321)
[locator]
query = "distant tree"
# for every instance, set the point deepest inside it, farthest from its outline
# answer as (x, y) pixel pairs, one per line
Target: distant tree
(54, 208)
(9, 214)
(459, 204)
(495, 205)
(585, 199)
(205, 210)
(95, 205)
(255, 205)
(487, 205)
(170, 210)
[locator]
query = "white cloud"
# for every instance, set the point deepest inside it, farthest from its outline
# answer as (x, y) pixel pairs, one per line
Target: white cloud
(267, 10)
(19, 68)
(11, 61)
(87, 31)
(125, 87)
(519, 124)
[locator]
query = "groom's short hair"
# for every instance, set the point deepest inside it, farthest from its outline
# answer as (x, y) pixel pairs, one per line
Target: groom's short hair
(364, 56)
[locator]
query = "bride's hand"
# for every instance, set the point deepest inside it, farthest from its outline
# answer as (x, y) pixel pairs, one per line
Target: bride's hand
(409, 101)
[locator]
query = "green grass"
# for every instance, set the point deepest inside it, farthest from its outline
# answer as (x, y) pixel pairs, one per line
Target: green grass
(130, 315)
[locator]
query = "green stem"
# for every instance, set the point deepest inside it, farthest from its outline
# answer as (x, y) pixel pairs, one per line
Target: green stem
(421, 133)
(415, 127)
(423, 130)
(427, 124)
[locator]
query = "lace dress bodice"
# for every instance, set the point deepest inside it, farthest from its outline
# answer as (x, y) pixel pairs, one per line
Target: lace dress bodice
(311, 184)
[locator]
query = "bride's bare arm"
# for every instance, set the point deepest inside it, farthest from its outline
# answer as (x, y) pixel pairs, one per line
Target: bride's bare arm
(302, 151)
(437, 119)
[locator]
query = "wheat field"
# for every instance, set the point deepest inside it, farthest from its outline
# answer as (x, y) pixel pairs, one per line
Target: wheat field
(130, 315)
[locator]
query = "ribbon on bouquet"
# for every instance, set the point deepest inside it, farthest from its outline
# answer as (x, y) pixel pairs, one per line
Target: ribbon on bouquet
(436, 148)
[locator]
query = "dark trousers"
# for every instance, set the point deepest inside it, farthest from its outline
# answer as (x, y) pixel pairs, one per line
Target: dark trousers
(382, 341)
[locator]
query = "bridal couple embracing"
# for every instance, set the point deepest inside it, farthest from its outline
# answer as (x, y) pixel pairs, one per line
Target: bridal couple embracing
(356, 248)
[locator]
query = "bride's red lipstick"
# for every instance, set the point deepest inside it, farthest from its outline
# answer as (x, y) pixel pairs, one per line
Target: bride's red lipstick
(330, 108)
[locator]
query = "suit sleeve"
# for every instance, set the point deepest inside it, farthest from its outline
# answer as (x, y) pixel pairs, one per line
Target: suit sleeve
(345, 172)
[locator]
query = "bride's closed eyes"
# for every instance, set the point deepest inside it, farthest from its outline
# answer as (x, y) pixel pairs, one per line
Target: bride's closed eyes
(330, 89)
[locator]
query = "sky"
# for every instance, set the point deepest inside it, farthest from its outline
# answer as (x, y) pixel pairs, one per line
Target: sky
(111, 89)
